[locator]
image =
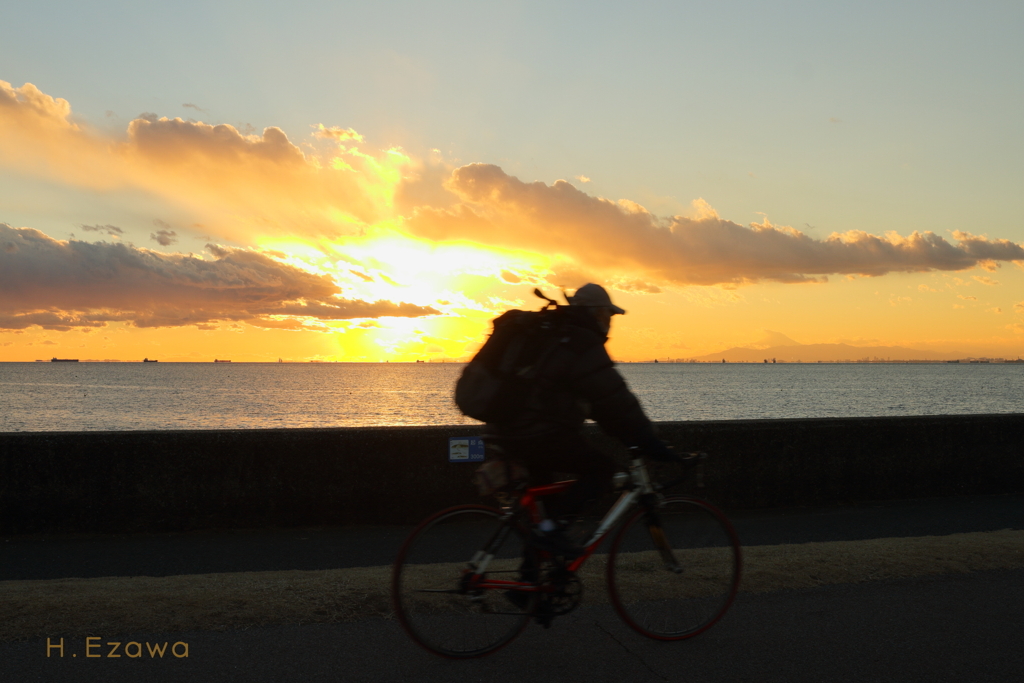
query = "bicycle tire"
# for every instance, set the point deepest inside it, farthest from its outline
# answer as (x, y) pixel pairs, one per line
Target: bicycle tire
(429, 589)
(654, 599)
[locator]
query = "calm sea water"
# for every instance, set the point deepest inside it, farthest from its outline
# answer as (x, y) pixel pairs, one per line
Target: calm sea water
(130, 396)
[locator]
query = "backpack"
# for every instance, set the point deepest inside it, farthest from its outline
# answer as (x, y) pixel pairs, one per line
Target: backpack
(505, 374)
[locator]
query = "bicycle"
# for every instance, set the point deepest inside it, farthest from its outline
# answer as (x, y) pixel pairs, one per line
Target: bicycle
(468, 579)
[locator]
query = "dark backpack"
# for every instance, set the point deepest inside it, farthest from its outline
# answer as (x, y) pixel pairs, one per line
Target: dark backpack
(505, 374)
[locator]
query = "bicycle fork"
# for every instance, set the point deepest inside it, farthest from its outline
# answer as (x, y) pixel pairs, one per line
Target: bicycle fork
(661, 543)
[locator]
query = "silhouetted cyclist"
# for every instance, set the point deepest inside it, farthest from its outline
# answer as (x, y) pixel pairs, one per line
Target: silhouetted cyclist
(577, 381)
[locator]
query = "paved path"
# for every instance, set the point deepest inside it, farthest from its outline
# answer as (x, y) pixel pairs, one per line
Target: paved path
(54, 557)
(949, 628)
(959, 628)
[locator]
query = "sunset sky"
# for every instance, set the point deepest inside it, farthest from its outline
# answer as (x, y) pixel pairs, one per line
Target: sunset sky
(377, 181)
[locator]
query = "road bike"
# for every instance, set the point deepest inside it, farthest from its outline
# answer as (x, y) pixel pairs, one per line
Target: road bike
(470, 578)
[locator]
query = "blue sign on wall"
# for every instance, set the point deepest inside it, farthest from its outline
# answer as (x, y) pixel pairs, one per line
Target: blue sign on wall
(465, 449)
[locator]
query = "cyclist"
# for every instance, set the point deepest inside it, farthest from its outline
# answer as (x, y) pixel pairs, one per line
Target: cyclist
(577, 381)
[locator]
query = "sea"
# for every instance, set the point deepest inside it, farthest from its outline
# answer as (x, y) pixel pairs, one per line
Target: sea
(37, 397)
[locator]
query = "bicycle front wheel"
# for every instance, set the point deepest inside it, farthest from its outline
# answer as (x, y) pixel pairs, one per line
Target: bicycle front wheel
(674, 570)
(443, 602)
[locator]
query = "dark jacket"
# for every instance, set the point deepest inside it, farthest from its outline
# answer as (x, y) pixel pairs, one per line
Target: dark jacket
(579, 381)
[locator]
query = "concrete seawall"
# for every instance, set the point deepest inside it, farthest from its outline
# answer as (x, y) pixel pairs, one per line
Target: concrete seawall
(102, 482)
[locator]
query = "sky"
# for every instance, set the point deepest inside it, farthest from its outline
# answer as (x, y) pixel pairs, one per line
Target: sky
(377, 181)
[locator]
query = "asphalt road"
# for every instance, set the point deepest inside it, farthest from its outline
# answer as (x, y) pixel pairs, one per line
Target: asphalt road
(947, 628)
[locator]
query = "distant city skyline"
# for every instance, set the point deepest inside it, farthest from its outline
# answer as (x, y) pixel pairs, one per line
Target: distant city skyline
(340, 181)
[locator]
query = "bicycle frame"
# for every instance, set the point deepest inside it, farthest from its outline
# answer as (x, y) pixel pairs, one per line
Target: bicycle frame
(528, 502)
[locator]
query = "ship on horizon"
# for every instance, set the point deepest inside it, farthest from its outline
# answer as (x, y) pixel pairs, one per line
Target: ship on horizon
(63, 360)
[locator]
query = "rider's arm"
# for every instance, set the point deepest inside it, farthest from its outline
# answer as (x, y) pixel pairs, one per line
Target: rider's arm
(614, 407)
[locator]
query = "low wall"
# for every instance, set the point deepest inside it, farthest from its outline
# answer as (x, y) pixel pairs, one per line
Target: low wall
(148, 481)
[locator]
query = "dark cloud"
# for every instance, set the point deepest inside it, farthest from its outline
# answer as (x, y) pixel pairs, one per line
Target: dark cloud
(501, 210)
(164, 236)
(61, 285)
(109, 229)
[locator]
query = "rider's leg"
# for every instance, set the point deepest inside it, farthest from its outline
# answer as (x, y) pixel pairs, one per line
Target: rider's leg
(594, 470)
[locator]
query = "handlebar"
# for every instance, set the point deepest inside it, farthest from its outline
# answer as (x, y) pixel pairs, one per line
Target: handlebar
(690, 461)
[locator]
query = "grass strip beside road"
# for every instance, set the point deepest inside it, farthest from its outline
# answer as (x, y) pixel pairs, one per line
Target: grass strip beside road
(116, 605)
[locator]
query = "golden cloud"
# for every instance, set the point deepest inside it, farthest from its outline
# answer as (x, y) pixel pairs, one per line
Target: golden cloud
(500, 210)
(239, 182)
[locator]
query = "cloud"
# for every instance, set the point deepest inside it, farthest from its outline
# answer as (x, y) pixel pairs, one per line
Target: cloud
(966, 298)
(245, 186)
(634, 285)
(61, 285)
(985, 280)
(1019, 307)
(29, 103)
(984, 249)
(112, 230)
(336, 133)
(501, 210)
(177, 141)
(583, 179)
(164, 237)
(242, 183)
(189, 105)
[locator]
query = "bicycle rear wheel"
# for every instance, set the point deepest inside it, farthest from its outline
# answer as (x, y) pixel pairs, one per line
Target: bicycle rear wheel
(446, 606)
(671, 596)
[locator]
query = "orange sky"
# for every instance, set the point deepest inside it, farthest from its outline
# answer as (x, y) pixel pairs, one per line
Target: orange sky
(194, 240)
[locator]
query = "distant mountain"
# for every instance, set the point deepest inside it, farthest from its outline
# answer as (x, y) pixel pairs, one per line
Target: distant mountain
(811, 353)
